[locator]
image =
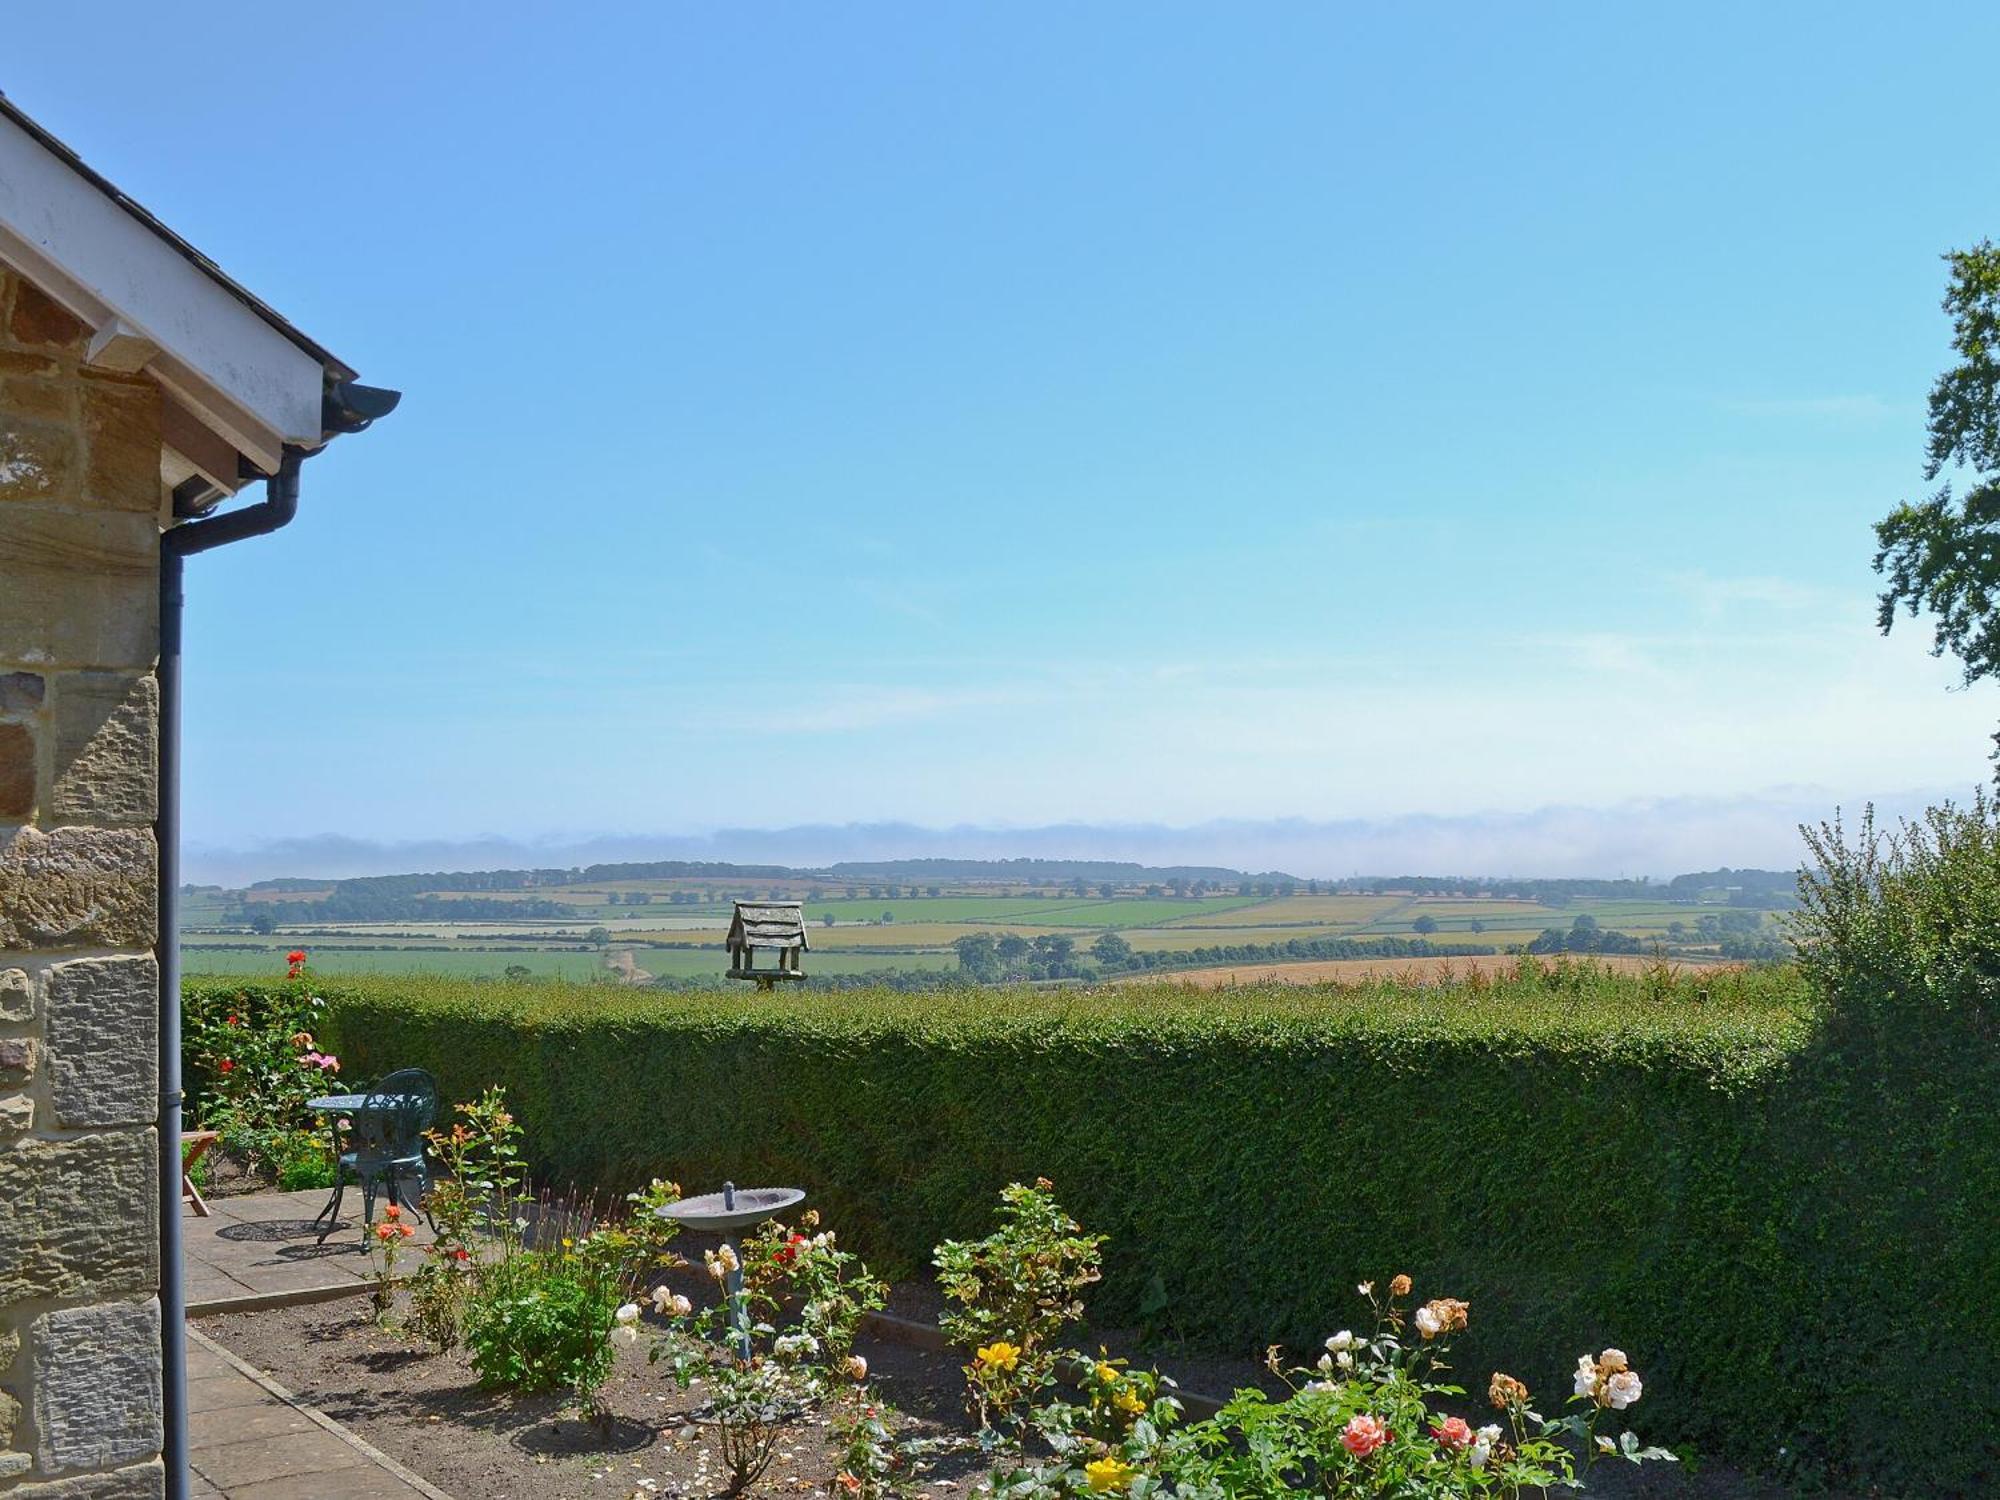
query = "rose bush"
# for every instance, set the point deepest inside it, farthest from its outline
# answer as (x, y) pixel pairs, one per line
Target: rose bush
(1368, 1418)
(251, 1062)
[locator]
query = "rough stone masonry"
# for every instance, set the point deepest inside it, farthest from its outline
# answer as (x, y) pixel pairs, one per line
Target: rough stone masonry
(81, 507)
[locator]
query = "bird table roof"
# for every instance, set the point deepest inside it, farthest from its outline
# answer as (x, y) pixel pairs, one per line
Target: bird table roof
(768, 924)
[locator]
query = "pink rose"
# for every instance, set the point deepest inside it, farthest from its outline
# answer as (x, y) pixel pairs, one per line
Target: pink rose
(1364, 1435)
(1454, 1433)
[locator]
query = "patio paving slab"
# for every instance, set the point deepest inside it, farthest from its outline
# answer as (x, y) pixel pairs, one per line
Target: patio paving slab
(265, 1245)
(250, 1439)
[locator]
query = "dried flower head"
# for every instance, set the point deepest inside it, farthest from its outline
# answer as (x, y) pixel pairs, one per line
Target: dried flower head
(1441, 1315)
(1506, 1393)
(1399, 1286)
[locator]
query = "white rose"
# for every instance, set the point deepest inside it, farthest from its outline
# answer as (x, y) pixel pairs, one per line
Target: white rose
(1428, 1323)
(1344, 1359)
(1367, 1289)
(1611, 1361)
(1341, 1340)
(1325, 1365)
(1623, 1389)
(1479, 1453)
(625, 1323)
(1586, 1376)
(1321, 1385)
(1489, 1434)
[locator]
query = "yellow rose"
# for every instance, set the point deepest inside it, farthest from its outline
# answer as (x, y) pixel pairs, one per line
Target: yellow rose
(1129, 1402)
(1106, 1373)
(1107, 1474)
(999, 1355)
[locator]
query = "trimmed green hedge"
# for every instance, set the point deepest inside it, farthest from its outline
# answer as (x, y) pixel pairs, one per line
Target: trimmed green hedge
(1764, 1215)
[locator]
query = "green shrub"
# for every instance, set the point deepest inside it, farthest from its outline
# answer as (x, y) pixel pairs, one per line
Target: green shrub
(300, 1158)
(1690, 1168)
(542, 1321)
(1010, 1296)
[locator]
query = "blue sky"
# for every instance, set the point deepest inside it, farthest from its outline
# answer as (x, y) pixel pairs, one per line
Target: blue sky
(1115, 415)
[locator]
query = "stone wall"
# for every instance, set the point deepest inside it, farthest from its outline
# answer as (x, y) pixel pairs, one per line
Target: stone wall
(80, 512)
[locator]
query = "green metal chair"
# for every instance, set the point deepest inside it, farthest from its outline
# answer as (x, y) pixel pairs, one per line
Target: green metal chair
(385, 1143)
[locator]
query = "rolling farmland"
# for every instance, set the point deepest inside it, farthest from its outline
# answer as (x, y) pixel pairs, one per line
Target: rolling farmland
(632, 930)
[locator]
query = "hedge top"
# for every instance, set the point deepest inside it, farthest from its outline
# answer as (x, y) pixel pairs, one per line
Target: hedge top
(1729, 1024)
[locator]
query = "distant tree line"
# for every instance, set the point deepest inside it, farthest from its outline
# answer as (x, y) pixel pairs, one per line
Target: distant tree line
(986, 959)
(1585, 936)
(367, 906)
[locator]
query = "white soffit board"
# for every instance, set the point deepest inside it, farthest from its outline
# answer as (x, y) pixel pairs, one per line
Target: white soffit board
(257, 387)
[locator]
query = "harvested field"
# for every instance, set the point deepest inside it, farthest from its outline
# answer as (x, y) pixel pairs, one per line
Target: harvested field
(1354, 970)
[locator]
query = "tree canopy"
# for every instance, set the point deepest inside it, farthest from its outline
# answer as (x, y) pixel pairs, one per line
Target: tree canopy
(1943, 555)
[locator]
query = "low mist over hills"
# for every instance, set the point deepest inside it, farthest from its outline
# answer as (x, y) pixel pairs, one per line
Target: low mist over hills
(1655, 837)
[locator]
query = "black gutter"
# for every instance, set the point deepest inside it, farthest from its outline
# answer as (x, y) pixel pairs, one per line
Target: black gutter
(177, 544)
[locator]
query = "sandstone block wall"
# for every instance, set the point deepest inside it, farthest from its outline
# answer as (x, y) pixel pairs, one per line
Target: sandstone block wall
(80, 515)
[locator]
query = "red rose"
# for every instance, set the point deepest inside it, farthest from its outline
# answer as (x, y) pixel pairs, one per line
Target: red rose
(296, 956)
(227, 1066)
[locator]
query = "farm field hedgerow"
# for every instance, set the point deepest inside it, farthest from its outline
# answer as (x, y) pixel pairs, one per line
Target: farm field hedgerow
(1022, 911)
(1330, 911)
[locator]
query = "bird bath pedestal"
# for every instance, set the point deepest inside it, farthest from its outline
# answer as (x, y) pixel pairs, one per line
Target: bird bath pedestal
(722, 1213)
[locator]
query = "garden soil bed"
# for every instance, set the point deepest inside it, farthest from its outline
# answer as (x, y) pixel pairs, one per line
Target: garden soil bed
(428, 1412)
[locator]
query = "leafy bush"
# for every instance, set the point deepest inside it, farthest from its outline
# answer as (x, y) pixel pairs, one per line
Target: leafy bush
(794, 1363)
(1903, 926)
(1767, 1208)
(1369, 1419)
(1011, 1295)
(542, 1321)
(251, 1062)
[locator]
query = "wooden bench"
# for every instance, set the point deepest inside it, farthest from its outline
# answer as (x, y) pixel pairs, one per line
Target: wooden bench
(194, 1146)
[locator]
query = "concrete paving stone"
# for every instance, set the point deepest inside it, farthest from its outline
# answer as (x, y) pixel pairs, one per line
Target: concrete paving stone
(270, 1419)
(286, 1277)
(257, 1207)
(362, 1482)
(223, 1392)
(204, 1284)
(203, 1362)
(231, 1466)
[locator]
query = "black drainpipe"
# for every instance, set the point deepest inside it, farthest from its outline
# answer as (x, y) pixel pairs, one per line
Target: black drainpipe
(344, 407)
(279, 505)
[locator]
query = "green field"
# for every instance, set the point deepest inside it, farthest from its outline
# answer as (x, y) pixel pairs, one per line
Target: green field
(459, 962)
(471, 962)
